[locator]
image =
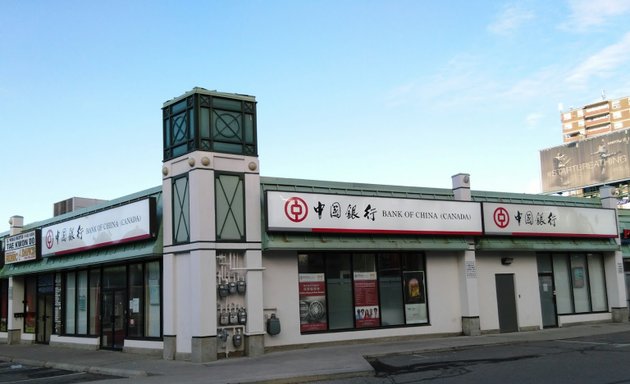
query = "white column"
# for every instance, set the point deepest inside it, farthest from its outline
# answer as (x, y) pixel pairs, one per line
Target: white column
(613, 264)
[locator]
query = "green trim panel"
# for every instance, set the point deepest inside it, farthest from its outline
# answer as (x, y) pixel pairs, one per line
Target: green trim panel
(310, 241)
(549, 244)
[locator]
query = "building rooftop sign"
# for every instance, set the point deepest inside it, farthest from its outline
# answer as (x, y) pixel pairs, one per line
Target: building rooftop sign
(122, 224)
(548, 221)
(328, 213)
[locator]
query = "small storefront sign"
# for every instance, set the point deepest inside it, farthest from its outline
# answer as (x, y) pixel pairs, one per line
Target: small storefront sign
(126, 223)
(311, 212)
(546, 220)
(21, 247)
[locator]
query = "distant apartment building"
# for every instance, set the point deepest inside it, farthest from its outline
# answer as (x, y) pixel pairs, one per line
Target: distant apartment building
(595, 119)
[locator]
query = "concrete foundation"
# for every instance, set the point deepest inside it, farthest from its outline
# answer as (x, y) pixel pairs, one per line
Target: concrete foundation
(204, 349)
(620, 315)
(471, 326)
(14, 336)
(254, 345)
(170, 349)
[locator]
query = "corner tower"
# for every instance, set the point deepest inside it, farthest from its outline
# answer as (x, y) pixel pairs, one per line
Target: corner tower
(212, 230)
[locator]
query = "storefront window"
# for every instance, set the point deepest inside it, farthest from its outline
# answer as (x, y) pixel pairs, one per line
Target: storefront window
(562, 282)
(579, 282)
(153, 300)
(70, 302)
(339, 288)
(30, 316)
(95, 285)
(136, 301)
(579, 274)
(597, 282)
(361, 290)
(390, 290)
(82, 289)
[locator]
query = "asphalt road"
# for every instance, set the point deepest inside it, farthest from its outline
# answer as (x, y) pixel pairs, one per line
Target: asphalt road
(595, 359)
(26, 374)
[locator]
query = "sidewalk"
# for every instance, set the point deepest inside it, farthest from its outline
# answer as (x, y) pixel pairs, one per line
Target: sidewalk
(292, 366)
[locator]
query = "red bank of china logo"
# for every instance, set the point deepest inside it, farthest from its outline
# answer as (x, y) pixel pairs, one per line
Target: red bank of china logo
(501, 217)
(296, 209)
(49, 239)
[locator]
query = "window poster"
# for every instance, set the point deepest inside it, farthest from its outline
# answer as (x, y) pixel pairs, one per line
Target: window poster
(415, 297)
(366, 300)
(312, 291)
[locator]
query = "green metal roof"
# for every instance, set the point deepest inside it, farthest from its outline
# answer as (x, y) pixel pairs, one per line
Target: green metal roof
(332, 242)
(545, 244)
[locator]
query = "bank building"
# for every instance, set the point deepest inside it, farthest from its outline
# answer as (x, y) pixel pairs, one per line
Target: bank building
(221, 262)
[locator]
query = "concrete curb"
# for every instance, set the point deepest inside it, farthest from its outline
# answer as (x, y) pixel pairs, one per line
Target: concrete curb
(129, 373)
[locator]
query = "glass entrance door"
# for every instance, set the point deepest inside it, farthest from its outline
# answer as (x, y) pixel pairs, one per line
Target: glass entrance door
(44, 308)
(44, 317)
(113, 319)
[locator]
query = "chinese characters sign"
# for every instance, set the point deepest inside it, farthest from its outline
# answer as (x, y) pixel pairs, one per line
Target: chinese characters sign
(288, 211)
(130, 222)
(545, 220)
(22, 247)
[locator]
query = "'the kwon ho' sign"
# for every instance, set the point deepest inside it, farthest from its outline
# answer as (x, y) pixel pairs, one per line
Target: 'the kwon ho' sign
(126, 223)
(309, 212)
(548, 221)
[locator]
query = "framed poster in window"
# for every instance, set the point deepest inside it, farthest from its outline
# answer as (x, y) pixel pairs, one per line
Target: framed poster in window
(312, 291)
(415, 297)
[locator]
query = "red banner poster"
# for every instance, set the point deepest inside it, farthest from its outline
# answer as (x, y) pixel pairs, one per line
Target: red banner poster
(312, 290)
(366, 300)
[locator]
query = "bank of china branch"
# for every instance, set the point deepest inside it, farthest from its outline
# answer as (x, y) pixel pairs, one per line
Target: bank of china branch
(89, 279)
(411, 265)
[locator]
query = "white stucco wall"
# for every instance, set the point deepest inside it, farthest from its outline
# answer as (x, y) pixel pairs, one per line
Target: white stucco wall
(525, 273)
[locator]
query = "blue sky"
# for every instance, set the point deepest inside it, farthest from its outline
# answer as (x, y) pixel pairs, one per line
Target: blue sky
(386, 92)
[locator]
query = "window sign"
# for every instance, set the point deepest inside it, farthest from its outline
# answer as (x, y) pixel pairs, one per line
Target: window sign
(126, 223)
(21, 247)
(312, 290)
(310, 212)
(545, 220)
(366, 300)
(415, 297)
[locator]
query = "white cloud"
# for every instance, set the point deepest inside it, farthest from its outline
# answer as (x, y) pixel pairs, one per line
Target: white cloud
(511, 18)
(601, 64)
(589, 13)
(533, 119)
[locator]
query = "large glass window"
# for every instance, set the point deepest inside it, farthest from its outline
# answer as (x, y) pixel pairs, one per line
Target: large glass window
(136, 301)
(153, 302)
(361, 290)
(70, 302)
(339, 288)
(82, 303)
(30, 305)
(579, 282)
(95, 289)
